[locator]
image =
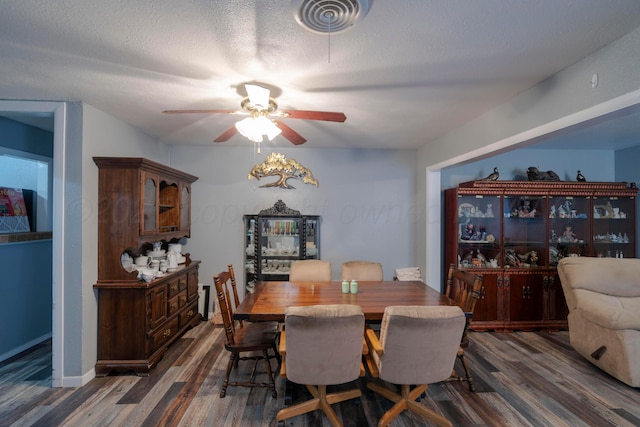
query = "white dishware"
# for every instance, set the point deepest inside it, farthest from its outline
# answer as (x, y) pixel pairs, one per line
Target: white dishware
(172, 259)
(156, 253)
(142, 260)
(175, 247)
(147, 274)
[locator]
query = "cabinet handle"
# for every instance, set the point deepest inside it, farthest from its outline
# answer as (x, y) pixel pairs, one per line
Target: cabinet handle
(506, 282)
(552, 282)
(166, 333)
(174, 306)
(545, 281)
(174, 287)
(190, 313)
(482, 292)
(500, 282)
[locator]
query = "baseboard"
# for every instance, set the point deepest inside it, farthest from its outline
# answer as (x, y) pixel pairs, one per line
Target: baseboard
(26, 346)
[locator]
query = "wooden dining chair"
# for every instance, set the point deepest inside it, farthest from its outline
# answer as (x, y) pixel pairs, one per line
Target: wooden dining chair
(310, 269)
(416, 345)
(244, 338)
(321, 346)
(464, 288)
(362, 271)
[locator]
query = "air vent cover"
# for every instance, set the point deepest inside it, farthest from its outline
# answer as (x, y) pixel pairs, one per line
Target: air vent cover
(329, 16)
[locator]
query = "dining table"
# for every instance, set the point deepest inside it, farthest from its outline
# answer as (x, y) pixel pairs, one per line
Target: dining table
(270, 299)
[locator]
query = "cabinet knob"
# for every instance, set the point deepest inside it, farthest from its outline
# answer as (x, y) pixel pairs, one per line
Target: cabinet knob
(500, 282)
(166, 333)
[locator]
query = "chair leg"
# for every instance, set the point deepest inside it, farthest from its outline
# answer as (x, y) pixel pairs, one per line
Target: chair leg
(472, 386)
(272, 384)
(233, 360)
(406, 400)
(321, 400)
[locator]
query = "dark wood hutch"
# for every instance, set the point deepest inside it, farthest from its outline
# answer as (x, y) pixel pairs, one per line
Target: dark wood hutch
(515, 232)
(141, 202)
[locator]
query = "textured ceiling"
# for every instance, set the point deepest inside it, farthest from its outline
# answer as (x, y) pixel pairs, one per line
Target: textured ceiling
(406, 74)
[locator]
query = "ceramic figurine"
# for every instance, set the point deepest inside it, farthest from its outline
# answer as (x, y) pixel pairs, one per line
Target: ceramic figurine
(493, 176)
(580, 177)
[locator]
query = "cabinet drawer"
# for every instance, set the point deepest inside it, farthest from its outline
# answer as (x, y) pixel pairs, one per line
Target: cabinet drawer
(182, 282)
(164, 333)
(177, 302)
(174, 287)
(186, 316)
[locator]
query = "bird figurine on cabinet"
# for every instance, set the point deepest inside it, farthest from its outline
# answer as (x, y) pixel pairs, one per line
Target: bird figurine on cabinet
(580, 177)
(493, 176)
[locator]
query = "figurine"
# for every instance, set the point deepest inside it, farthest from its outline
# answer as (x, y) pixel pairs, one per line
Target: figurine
(493, 176)
(489, 212)
(568, 235)
(580, 177)
(533, 174)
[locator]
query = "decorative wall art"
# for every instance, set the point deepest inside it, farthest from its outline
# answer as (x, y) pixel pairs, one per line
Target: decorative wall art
(277, 165)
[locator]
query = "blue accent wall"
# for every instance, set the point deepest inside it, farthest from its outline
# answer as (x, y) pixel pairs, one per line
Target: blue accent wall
(26, 268)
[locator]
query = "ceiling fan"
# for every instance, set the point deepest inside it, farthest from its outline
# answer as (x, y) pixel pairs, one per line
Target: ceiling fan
(264, 117)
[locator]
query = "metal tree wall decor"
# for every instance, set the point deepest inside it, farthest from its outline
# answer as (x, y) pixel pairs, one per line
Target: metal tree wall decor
(277, 165)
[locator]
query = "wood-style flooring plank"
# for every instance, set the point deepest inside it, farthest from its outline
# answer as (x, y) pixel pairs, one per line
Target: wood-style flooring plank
(522, 379)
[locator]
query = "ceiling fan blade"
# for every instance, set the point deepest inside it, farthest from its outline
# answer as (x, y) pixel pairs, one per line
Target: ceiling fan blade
(290, 134)
(326, 116)
(227, 134)
(202, 112)
(258, 96)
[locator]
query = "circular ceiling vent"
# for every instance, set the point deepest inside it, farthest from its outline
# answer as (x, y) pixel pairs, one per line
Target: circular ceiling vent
(329, 16)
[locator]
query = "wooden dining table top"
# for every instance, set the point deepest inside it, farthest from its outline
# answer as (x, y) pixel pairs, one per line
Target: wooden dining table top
(270, 300)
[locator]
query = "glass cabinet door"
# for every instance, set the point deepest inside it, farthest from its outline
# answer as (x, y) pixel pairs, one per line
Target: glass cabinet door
(613, 226)
(279, 243)
(569, 227)
(525, 231)
(250, 259)
(185, 207)
(312, 236)
(149, 204)
(479, 231)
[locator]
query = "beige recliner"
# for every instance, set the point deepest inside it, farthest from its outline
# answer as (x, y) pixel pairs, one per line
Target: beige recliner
(603, 296)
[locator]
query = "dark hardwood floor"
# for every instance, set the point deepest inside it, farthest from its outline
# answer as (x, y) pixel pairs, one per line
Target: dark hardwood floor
(522, 379)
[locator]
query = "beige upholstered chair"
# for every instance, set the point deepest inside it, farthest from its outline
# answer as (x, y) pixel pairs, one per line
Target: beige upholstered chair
(320, 346)
(362, 271)
(603, 297)
(417, 345)
(310, 269)
(254, 339)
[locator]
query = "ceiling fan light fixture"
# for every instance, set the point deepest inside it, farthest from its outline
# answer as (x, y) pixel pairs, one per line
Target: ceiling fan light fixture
(329, 16)
(254, 128)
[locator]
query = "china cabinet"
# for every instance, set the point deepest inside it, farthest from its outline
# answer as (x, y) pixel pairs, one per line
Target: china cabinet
(274, 238)
(141, 203)
(515, 232)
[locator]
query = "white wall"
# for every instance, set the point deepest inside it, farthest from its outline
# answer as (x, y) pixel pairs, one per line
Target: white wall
(365, 198)
(562, 100)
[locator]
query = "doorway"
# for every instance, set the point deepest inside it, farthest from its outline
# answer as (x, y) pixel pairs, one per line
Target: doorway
(56, 113)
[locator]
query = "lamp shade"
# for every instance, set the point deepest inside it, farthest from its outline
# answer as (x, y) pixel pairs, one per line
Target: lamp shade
(254, 128)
